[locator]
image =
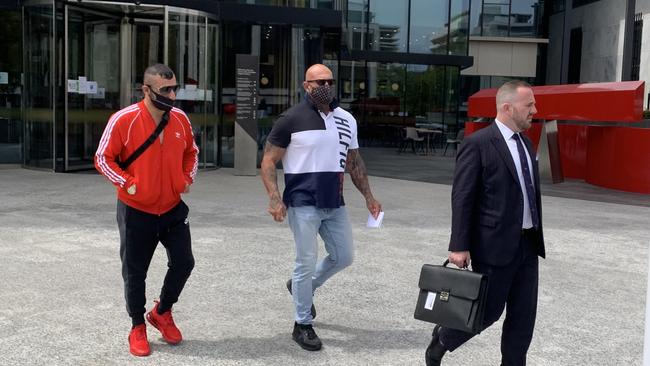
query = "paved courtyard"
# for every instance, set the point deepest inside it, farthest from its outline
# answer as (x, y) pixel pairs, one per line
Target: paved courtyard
(62, 290)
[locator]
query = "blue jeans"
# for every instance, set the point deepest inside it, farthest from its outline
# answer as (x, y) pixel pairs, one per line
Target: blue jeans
(334, 228)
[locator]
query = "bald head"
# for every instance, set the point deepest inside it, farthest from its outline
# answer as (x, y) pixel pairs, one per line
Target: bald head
(319, 79)
(318, 72)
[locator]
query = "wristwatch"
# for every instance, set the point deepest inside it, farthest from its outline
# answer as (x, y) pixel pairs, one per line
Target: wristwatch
(131, 190)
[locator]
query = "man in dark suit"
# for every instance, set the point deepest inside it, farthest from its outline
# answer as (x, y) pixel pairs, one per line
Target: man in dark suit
(497, 223)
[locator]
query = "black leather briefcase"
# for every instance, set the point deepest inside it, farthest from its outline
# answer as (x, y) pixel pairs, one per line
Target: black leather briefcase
(453, 298)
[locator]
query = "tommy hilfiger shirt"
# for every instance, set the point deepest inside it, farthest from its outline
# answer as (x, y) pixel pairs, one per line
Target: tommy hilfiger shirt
(317, 148)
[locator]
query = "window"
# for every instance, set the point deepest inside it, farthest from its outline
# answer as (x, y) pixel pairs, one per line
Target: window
(357, 24)
(636, 44)
(458, 24)
(557, 6)
(577, 3)
(524, 18)
(388, 26)
(503, 18)
(495, 18)
(429, 26)
(575, 56)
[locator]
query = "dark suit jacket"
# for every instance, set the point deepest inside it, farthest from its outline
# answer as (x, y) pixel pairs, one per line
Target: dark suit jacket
(487, 202)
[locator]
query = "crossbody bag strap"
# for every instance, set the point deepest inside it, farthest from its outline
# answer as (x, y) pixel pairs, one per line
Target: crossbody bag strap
(136, 154)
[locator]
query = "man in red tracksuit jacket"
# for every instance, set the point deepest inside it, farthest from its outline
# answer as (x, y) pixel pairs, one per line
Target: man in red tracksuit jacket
(149, 205)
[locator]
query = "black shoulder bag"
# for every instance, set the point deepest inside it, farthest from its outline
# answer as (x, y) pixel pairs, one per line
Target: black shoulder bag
(136, 154)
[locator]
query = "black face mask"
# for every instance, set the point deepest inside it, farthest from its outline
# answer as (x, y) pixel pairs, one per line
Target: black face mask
(322, 94)
(162, 102)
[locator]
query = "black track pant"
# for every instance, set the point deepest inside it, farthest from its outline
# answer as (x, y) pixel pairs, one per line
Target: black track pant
(140, 233)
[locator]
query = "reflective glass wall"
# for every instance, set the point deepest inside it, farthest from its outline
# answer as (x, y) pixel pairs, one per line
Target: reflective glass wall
(192, 55)
(108, 46)
(93, 56)
(285, 52)
(319, 4)
(386, 97)
(506, 18)
(38, 93)
(411, 26)
(11, 67)
(83, 62)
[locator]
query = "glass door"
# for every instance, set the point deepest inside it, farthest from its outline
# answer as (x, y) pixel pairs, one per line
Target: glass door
(193, 57)
(144, 38)
(93, 81)
(11, 124)
(38, 25)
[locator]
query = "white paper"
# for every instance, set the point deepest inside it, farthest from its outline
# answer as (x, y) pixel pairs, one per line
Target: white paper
(91, 87)
(83, 85)
(101, 94)
(4, 78)
(73, 86)
(200, 94)
(191, 94)
(180, 94)
(372, 222)
(431, 298)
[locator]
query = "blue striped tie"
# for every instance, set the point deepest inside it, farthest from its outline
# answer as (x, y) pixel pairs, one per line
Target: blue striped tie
(530, 188)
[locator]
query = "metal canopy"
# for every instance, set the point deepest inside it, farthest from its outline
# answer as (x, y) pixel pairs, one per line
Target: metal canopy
(616, 101)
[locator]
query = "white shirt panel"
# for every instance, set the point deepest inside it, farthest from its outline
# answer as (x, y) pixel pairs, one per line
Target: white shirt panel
(507, 133)
(322, 150)
(312, 151)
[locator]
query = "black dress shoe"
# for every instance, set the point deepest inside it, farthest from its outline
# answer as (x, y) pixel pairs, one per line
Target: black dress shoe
(313, 308)
(435, 351)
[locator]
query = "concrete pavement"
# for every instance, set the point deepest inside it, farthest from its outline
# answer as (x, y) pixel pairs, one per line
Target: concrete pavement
(63, 303)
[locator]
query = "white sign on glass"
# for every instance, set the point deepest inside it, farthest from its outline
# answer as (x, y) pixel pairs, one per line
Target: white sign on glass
(73, 86)
(83, 85)
(91, 87)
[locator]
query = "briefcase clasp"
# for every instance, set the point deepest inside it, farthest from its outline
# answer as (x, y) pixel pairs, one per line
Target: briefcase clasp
(444, 296)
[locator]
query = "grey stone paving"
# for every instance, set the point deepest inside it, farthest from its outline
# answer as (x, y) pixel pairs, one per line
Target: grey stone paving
(62, 301)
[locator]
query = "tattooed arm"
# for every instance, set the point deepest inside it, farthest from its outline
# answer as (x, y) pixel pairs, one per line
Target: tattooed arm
(273, 154)
(357, 169)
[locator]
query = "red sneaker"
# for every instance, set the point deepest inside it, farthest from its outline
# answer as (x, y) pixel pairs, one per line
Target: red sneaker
(138, 343)
(165, 324)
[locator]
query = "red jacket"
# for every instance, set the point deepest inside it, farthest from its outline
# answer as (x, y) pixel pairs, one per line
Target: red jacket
(161, 172)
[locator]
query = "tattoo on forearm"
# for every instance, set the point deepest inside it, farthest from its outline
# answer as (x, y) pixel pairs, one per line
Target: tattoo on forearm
(269, 176)
(357, 169)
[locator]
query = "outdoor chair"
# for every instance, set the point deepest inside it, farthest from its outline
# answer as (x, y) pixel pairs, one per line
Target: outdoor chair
(455, 141)
(411, 137)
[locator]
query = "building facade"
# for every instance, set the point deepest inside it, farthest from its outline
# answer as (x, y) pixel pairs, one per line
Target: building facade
(508, 40)
(70, 64)
(598, 41)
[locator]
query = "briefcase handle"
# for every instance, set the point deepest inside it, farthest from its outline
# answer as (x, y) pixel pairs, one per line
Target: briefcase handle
(446, 262)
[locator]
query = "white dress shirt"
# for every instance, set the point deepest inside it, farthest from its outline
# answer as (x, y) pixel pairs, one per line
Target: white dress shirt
(507, 133)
